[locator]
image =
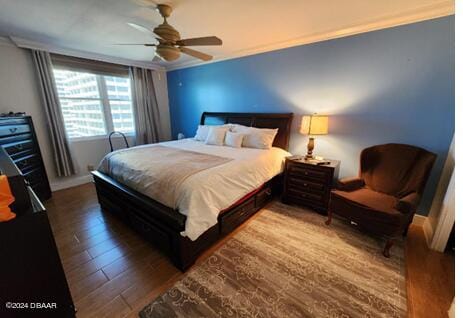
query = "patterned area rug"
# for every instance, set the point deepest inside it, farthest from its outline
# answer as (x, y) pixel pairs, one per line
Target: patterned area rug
(287, 263)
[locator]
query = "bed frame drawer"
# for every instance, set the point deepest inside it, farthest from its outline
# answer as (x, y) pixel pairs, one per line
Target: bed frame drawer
(150, 232)
(263, 197)
(162, 226)
(233, 218)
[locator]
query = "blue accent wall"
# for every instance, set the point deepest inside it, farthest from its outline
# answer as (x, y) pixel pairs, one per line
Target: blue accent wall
(392, 85)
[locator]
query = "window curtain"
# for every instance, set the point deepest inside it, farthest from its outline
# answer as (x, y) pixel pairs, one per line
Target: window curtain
(145, 106)
(55, 122)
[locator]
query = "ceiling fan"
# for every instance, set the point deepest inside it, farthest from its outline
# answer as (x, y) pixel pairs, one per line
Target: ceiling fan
(170, 45)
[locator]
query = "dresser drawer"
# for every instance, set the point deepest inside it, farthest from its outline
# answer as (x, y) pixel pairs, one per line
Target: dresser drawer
(34, 177)
(14, 129)
(28, 163)
(15, 138)
(19, 146)
(22, 154)
(308, 173)
(232, 219)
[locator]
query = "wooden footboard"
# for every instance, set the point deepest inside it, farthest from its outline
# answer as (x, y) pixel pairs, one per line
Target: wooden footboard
(162, 225)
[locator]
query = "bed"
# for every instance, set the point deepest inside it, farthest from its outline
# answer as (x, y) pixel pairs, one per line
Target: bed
(186, 228)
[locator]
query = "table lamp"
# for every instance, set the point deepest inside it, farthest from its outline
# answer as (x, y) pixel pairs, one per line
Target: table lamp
(313, 125)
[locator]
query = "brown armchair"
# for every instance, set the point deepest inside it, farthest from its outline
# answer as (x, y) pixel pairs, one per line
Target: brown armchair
(384, 198)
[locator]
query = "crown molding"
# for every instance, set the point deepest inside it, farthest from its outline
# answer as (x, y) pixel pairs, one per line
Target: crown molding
(28, 44)
(4, 41)
(429, 12)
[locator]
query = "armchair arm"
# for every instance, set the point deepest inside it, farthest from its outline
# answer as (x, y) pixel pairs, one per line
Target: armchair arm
(350, 184)
(408, 203)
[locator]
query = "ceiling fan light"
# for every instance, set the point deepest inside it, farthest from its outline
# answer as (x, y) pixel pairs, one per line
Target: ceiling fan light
(167, 52)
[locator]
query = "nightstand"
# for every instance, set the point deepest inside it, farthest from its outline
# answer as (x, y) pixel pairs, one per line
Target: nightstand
(309, 184)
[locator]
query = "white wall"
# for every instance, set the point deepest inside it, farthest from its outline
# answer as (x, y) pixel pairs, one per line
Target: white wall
(452, 309)
(442, 186)
(19, 93)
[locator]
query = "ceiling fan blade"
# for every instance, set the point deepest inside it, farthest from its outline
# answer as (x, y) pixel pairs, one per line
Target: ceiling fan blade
(144, 44)
(207, 40)
(141, 28)
(197, 54)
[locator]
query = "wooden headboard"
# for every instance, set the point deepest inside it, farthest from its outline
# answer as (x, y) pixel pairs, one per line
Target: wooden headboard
(282, 121)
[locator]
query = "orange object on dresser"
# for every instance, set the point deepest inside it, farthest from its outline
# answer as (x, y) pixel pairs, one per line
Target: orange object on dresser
(6, 198)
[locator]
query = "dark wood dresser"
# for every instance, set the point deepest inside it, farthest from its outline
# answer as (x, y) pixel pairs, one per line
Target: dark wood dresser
(32, 279)
(309, 184)
(17, 136)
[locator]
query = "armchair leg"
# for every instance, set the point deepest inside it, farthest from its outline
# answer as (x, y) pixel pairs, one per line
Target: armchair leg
(405, 233)
(330, 216)
(387, 247)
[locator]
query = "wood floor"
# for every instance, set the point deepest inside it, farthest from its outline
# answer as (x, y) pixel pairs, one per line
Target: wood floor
(430, 277)
(112, 272)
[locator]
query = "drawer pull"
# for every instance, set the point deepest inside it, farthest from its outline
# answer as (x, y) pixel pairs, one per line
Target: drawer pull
(19, 147)
(13, 130)
(305, 184)
(306, 173)
(268, 191)
(24, 163)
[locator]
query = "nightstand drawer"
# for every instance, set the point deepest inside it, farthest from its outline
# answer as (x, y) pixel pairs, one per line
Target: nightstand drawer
(306, 185)
(305, 195)
(308, 173)
(313, 204)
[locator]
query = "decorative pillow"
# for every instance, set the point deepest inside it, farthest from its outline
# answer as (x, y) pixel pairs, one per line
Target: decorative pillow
(216, 135)
(233, 139)
(261, 138)
(201, 132)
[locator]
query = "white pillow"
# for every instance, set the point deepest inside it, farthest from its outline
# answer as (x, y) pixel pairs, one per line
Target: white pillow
(203, 130)
(216, 135)
(261, 138)
(233, 139)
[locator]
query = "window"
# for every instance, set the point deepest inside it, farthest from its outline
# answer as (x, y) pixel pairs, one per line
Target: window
(93, 105)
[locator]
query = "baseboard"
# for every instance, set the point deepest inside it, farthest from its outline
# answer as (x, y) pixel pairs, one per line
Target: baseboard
(70, 182)
(422, 221)
(419, 220)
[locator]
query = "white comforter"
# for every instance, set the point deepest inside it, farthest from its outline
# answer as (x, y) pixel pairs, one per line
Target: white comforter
(203, 195)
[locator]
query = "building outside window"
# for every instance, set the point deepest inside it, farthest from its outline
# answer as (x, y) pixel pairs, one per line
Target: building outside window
(94, 105)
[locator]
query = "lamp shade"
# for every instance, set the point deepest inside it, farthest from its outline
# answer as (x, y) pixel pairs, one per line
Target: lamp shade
(314, 125)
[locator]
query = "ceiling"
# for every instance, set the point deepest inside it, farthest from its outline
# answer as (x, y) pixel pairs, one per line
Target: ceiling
(246, 27)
